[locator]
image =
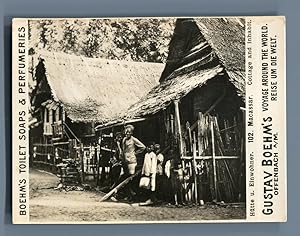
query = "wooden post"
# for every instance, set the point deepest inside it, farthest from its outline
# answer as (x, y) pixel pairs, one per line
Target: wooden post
(200, 151)
(227, 133)
(179, 127)
(98, 158)
(213, 157)
(200, 143)
(111, 149)
(82, 162)
(195, 168)
(189, 193)
(95, 162)
(236, 136)
(172, 124)
(54, 161)
(190, 136)
(178, 122)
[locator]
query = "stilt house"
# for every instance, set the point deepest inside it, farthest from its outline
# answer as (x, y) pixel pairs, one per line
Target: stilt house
(72, 94)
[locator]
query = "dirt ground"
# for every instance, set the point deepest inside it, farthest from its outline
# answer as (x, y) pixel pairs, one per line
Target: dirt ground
(50, 205)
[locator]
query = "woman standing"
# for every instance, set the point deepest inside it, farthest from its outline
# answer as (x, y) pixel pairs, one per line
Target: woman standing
(131, 147)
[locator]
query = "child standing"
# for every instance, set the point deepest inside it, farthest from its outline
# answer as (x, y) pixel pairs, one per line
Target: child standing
(149, 171)
(174, 172)
(159, 173)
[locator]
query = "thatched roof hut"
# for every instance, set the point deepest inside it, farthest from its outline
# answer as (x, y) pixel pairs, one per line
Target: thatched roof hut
(200, 50)
(94, 89)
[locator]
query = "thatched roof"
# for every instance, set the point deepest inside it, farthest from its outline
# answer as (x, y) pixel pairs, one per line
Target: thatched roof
(227, 38)
(93, 89)
(169, 90)
(199, 50)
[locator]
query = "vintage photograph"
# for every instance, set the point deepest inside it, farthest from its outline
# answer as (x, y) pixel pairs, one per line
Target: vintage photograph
(136, 120)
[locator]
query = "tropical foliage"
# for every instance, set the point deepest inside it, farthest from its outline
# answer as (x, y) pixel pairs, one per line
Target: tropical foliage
(125, 39)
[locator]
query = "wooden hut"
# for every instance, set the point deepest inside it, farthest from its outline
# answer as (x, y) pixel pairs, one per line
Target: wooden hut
(198, 106)
(72, 94)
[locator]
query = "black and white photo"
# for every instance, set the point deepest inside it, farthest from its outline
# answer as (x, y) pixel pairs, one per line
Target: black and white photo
(142, 120)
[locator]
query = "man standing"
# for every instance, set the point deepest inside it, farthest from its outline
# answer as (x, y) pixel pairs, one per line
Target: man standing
(131, 147)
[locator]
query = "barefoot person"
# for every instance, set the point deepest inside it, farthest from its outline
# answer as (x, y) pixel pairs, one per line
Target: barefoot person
(147, 180)
(131, 147)
(174, 172)
(160, 191)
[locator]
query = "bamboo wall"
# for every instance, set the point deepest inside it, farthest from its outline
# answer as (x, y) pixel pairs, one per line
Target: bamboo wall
(214, 160)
